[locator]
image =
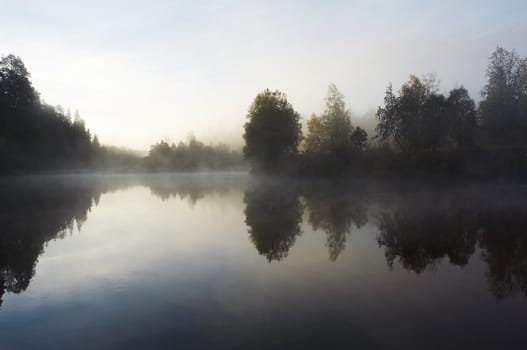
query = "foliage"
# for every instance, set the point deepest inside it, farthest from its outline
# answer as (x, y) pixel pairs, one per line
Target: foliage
(273, 130)
(403, 118)
(331, 132)
(461, 111)
(503, 111)
(420, 132)
(421, 119)
(193, 155)
(33, 135)
(117, 159)
(359, 138)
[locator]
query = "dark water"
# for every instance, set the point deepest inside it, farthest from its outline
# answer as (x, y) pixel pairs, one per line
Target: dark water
(227, 261)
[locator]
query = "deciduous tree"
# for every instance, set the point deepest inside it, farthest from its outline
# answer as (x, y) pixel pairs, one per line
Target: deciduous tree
(273, 130)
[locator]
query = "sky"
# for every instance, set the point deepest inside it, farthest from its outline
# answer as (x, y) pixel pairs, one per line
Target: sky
(143, 71)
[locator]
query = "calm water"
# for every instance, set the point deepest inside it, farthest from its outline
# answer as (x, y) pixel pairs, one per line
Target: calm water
(228, 261)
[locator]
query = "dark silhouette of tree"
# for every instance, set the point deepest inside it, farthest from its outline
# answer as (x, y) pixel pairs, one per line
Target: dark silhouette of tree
(433, 124)
(502, 110)
(359, 138)
(420, 119)
(33, 135)
(461, 111)
(16, 90)
(420, 132)
(273, 214)
(407, 119)
(272, 132)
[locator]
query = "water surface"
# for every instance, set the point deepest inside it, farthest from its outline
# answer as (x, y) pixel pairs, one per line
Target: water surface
(201, 261)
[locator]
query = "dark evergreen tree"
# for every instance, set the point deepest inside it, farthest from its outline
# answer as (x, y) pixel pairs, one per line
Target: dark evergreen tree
(35, 136)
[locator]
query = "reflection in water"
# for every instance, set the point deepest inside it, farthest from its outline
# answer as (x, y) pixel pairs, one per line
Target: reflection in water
(273, 214)
(334, 211)
(420, 237)
(31, 214)
(35, 210)
(417, 232)
(181, 274)
(420, 234)
(191, 187)
(503, 242)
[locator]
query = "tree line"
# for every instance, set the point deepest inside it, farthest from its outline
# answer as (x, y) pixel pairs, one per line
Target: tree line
(33, 134)
(192, 155)
(418, 129)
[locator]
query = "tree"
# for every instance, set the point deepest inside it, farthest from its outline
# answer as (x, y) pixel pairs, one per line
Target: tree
(160, 155)
(273, 130)
(192, 155)
(461, 111)
(331, 132)
(415, 119)
(316, 140)
(338, 120)
(96, 143)
(359, 137)
(15, 86)
(33, 135)
(503, 109)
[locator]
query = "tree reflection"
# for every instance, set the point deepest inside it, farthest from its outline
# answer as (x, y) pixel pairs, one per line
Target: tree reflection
(334, 211)
(36, 210)
(504, 249)
(191, 187)
(273, 214)
(419, 239)
(416, 233)
(32, 214)
(420, 235)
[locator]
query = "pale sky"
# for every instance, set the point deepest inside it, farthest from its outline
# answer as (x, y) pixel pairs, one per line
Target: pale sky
(142, 71)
